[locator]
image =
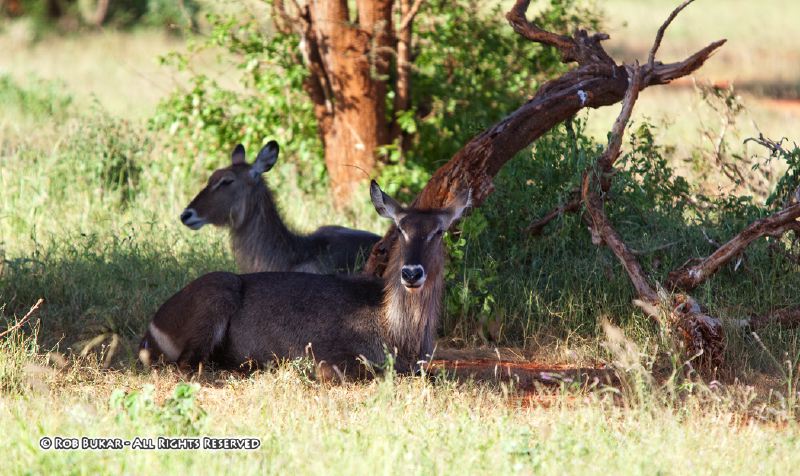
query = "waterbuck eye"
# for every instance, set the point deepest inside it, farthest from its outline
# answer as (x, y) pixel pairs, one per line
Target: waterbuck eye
(225, 181)
(435, 234)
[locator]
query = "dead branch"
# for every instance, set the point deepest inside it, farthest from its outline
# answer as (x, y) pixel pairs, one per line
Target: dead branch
(567, 46)
(402, 98)
(317, 84)
(283, 22)
(597, 81)
(409, 14)
(593, 200)
(775, 225)
(22, 321)
(660, 35)
(572, 205)
(654, 249)
(701, 333)
(788, 317)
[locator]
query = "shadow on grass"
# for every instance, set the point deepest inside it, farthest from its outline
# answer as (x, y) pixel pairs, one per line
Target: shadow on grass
(97, 291)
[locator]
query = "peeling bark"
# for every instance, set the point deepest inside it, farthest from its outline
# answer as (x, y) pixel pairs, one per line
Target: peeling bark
(348, 48)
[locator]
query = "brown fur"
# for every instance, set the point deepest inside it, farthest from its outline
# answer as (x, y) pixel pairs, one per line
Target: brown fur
(236, 197)
(339, 319)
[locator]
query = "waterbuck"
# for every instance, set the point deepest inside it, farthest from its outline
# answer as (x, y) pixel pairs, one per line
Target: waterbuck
(237, 197)
(339, 320)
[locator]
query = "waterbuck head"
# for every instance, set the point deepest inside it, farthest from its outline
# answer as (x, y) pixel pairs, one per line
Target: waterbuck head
(224, 201)
(419, 251)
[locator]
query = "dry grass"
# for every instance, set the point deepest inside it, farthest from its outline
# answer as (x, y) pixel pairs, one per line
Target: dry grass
(395, 426)
(104, 267)
(757, 59)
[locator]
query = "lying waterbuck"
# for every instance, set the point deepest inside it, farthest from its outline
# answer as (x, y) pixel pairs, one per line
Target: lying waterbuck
(339, 320)
(237, 197)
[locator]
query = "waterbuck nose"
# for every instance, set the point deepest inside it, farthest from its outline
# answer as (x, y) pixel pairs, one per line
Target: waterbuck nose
(413, 275)
(187, 215)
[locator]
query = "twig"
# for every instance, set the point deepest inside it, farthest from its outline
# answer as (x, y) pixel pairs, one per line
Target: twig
(516, 18)
(572, 205)
(655, 249)
(25, 318)
(660, 35)
(406, 21)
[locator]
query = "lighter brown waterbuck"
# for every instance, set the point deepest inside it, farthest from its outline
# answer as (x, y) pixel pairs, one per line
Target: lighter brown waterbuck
(236, 197)
(337, 320)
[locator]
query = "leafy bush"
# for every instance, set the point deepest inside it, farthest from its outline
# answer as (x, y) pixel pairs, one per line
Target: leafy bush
(470, 70)
(18, 349)
(208, 119)
(47, 15)
(788, 186)
(506, 285)
(102, 154)
(179, 415)
(41, 100)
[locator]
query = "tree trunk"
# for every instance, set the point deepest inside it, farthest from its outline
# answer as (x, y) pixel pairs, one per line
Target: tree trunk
(349, 48)
(350, 140)
(349, 62)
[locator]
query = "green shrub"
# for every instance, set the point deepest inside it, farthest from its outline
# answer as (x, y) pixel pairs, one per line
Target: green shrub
(207, 120)
(470, 70)
(102, 155)
(508, 286)
(178, 415)
(41, 99)
(18, 349)
(64, 15)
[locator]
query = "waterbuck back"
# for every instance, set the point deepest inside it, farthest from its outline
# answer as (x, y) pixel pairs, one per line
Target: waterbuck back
(339, 321)
(237, 197)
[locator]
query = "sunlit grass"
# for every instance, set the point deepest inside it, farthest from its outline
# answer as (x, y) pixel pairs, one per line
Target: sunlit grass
(104, 253)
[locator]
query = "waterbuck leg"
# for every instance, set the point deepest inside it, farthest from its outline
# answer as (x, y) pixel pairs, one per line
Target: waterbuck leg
(192, 324)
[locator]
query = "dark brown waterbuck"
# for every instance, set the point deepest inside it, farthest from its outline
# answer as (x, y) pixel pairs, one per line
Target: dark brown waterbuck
(237, 197)
(339, 321)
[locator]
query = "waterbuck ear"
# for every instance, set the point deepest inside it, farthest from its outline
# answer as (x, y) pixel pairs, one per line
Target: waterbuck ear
(456, 208)
(386, 206)
(237, 156)
(266, 158)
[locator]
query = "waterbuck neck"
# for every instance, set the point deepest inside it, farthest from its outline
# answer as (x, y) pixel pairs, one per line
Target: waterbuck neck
(262, 241)
(410, 319)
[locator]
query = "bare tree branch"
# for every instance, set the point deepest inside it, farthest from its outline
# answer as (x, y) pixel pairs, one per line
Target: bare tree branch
(582, 48)
(402, 97)
(592, 199)
(596, 82)
(570, 206)
(701, 333)
(660, 35)
(283, 22)
(689, 277)
(22, 321)
(409, 14)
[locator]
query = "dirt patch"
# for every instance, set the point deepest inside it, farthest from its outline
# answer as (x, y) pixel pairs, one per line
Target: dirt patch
(791, 106)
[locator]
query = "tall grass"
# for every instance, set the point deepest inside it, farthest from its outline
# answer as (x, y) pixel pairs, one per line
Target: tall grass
(398, 425)
(88, 221)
